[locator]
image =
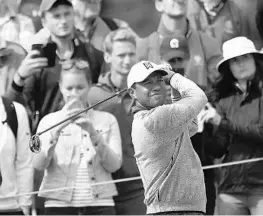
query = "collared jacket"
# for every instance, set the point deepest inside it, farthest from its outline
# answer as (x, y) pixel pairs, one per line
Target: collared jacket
(205, 52)
(41, 93)
(60, 161)
(120, 107)
(170, 168)
(240, 135)
(15, 162)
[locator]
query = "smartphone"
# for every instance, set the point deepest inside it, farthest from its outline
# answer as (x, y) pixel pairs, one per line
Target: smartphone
(48, 51)
(77, 104)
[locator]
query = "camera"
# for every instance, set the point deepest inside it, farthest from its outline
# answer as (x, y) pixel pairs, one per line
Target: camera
(47, 51)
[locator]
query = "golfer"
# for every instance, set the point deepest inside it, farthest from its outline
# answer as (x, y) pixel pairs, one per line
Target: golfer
(170, 168)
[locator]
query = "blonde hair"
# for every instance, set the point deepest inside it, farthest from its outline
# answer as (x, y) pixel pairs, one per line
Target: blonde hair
(122, 34)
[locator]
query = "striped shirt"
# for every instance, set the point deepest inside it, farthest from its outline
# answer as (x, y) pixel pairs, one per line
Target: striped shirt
(83, 193)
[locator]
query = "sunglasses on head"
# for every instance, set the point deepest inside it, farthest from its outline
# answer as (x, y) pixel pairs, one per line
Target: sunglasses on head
(77, 64)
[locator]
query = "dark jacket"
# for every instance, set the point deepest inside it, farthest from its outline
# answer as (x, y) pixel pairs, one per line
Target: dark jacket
(241, 136)
(41, 92)
(120, 107)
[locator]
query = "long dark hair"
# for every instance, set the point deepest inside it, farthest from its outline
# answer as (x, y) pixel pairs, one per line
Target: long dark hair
(225, 85)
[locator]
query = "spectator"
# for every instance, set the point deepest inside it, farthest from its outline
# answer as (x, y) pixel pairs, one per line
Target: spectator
(11, 56)
(16, 171)
(91, 24)
(39, 83)
(221, 19)
(14, 26)
(120, 53)
(238, 125)
(174, 51)
(204, 51)
(80, 152)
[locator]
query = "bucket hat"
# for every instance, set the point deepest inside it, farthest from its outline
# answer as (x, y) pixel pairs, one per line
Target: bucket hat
(235, 47)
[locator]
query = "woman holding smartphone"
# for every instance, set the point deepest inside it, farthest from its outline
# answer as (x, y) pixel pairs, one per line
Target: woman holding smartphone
(80, 152)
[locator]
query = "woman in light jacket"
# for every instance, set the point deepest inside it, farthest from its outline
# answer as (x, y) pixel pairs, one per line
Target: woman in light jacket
(80, 152)
(238, 123)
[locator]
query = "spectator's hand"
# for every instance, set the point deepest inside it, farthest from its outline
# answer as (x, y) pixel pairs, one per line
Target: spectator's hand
(31, 64)
(84, 122)
(201, 119)
(211, 115)
(67, 111)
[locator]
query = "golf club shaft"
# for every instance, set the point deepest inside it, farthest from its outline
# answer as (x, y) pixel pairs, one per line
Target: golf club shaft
(85, 110)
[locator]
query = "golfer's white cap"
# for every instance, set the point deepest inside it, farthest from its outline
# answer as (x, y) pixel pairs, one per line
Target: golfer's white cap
(142, 70)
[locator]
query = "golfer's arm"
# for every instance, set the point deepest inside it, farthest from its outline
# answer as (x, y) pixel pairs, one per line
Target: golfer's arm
(173, 119)
(193, 98)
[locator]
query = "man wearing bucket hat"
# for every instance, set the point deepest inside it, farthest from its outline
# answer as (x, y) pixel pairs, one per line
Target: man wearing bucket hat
(171, 170)
(238, 123)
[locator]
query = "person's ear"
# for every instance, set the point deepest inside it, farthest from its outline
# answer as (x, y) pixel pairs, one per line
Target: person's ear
(132, 93)
(107, 57)
(159, 5)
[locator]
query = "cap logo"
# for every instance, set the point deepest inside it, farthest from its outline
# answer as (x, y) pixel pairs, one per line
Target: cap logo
(148, 65)
(174, 43)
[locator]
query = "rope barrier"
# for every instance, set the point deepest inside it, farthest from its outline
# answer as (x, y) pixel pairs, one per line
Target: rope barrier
(133, 178)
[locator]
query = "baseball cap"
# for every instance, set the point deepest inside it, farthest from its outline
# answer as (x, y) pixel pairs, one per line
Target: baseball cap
(142, 70)
(174, 46)
(46, 5)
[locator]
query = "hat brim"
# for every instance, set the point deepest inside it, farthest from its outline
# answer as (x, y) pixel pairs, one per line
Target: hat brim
(142, 78)
(173, 54)
(221, 65)
(47, 7)
(160, 70)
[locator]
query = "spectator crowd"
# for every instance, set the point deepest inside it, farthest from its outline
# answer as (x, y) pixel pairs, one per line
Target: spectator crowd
(69, 57)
